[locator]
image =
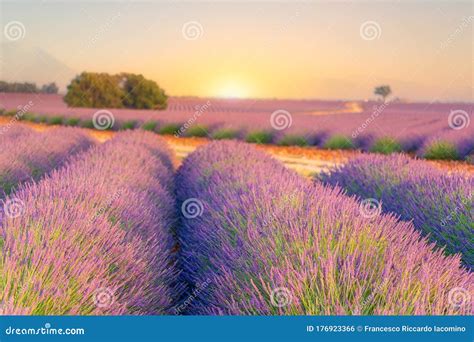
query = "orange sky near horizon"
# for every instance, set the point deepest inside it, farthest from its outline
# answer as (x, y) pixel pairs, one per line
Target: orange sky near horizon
(271, 50)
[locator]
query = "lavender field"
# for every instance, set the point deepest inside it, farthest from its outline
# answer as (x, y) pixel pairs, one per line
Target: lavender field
(440, 205)
(28, 154)
(247, 171)
(114, 228)
(95, 236)
(267, 241)
(430, 130)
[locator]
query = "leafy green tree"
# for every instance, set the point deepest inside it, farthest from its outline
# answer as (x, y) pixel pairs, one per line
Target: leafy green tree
(102, 90)
(97, 90)
(17, 87)
(141, 93)
(50, 88)
(383, 91)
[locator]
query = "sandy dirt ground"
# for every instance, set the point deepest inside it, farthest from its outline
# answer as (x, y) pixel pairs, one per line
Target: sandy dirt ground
(305, 160)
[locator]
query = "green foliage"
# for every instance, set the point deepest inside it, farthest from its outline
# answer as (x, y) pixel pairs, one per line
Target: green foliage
(197, 131)
(72, 121)
(102, 90)
(97, 90)
(50, 88)
(293, 140)
(17, 87)
(149, 126)
(169, 129)
(41, 119)
(339, 142)
(129, 125)
(55, 120)
(259, 137)
(86, 124)
(29, 117)
(27, 87)
(442, 150)
(383, 91)
(10, 113)
(225, 133)
(6, 184)
(140, 93)
(386, 146)
(470, 158)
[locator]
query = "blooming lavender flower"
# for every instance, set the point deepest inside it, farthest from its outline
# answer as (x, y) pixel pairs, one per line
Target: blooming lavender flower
(26, 154)
(13, 131)
(441, 205)
(271, 242)
(95, 237)
(413, 126)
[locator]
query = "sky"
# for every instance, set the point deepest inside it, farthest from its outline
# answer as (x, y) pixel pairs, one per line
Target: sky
(284, 49)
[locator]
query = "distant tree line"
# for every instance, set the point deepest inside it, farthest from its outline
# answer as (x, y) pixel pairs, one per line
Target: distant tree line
(124, 90)
(27, 87)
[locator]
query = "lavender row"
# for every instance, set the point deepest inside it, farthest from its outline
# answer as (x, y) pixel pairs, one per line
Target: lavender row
(428, 141)
(95, 236)
(10, 132)
(441, 205)
(256, 238)
(26, 154)
(434, 130)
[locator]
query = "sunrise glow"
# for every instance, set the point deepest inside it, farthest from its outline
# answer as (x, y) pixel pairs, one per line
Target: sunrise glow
(233, 50)
(232, 90)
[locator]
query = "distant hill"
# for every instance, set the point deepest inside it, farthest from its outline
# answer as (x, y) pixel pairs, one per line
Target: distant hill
(21, 63)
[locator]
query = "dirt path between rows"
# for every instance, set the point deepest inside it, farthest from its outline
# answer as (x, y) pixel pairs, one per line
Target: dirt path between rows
(305, 160)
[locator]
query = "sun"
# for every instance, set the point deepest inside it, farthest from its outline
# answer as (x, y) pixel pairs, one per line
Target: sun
(232, 90)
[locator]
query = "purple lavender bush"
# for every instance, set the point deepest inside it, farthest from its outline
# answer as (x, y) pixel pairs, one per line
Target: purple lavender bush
(12, 131)
(440, 204)
(412, 127)
(26, 154)
(256, 238)
(95, 236)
